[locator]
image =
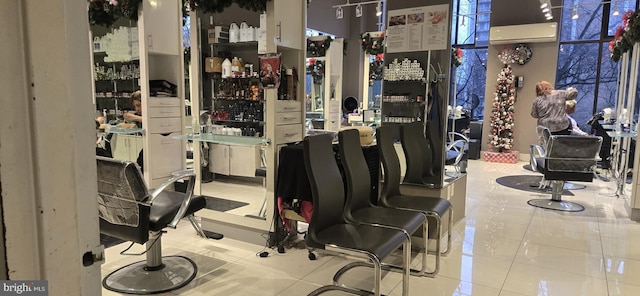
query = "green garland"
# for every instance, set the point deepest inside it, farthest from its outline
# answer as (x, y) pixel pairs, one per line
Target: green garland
(218, 6)
(372, 45)
(318, 48)
(106, 12)
(626, 35)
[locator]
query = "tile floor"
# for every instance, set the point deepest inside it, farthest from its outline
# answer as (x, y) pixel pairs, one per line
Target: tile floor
(503, 247)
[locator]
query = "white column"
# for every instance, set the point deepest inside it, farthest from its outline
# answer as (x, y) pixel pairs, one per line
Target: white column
(47, 158)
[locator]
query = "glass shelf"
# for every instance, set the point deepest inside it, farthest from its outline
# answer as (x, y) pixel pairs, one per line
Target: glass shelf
(123, 131)
(621, 134)
(224, 139)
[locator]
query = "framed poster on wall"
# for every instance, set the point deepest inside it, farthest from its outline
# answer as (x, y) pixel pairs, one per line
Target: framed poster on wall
(418, 29)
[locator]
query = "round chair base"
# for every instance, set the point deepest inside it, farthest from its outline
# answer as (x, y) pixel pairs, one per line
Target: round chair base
(573, 186)
(135, 279)
(565, 206)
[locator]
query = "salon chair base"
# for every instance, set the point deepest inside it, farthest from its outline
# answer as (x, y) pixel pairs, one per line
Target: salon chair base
(137, 278)
(556, 203)
(565, 206)
(156, 274)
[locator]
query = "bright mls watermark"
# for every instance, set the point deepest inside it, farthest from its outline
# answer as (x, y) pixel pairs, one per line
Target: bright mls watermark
(24, 288)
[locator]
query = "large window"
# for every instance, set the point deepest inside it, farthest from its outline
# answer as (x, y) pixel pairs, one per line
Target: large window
(585, 31)
(471, 34)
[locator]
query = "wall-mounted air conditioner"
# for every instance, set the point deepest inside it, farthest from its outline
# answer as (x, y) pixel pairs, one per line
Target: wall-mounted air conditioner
(529, 33)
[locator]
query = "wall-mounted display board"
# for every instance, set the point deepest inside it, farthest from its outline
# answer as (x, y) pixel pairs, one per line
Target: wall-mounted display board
(418, 28)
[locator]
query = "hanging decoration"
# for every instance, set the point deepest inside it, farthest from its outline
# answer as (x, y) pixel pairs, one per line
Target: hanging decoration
(316, 69)
(522, 54)
(376, 67)
(106, 12)
(317, 46)
(372, 45)
(506, 56)
(627, 34)
(502, 121)
(456, 56)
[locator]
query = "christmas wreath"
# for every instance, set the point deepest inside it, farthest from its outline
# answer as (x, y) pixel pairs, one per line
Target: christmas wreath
(106, 12)
(627, 34)
(316, 69)
(318, 46)
(522, 54)
(456, 56)
(372, 45)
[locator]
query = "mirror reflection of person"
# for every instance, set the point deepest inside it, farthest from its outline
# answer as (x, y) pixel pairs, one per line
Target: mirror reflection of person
(136, 117)
(549, 107)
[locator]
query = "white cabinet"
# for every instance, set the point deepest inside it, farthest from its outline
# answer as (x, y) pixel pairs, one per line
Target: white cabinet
(288, 15)
(234, 160)
(288, 122)
(161, 58)
(161, 20)
(126, 147)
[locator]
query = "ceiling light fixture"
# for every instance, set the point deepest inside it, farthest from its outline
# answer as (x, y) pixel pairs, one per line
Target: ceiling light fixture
(379, 9)
(339, 13)
(615, 10)
(546, 9)
(574, 15)
(359, 10)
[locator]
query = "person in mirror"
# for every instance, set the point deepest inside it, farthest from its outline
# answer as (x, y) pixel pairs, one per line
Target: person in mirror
(549, 107)
(135, 117)
(570, 109)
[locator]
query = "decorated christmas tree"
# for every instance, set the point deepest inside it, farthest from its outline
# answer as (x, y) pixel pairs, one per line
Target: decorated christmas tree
(502, 123)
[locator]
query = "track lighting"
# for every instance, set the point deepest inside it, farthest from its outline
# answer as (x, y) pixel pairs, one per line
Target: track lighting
(575, 15)
(359, 8)
(615, 11)
(543, 5)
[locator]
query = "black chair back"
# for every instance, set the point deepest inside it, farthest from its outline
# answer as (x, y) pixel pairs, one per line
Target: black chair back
(355, 171)
(389, 160)
(326, 183)
(475, 130)
(417, 152)
(122, 197)
(571, 158)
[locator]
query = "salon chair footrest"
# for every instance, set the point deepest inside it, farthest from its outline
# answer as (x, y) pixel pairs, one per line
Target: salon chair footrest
(136, 278)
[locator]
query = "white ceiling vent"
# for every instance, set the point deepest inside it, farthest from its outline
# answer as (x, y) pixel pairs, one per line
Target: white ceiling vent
(529, 33)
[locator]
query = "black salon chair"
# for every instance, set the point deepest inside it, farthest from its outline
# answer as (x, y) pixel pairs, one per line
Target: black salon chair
(358, 207)
(329, 230)
(129, 212)
(420, 152)
(433, 207)
(475, 139)
(566, 158)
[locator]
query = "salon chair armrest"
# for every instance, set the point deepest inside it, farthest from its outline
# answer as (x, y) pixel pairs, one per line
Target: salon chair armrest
(187, 197)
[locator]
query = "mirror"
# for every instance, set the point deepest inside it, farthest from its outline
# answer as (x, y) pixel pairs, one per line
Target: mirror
(116, 76)
(314, 90)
